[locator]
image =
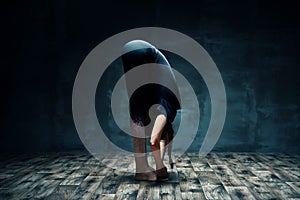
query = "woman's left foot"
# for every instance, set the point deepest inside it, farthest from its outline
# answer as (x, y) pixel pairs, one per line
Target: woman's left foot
(162, 174)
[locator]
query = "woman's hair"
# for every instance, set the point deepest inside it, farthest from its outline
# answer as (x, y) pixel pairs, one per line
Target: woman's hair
(168, 132)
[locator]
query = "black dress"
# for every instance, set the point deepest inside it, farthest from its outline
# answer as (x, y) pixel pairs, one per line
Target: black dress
(138, 52)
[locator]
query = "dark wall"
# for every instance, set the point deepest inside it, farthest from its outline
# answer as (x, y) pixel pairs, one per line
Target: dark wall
(255, 45)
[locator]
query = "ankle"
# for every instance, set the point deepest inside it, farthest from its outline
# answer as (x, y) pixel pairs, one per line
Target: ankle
(160, 166)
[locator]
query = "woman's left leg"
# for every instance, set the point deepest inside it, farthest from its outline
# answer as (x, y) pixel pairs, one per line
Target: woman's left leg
(161, 170)
(157, 130)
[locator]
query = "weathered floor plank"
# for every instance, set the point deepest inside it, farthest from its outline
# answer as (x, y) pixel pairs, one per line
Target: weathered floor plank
(239, 192)
(216, 176)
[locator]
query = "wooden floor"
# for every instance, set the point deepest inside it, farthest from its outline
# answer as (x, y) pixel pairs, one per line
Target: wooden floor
(217, 176)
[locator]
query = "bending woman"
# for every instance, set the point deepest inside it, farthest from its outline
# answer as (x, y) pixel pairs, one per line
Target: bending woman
(150, 101)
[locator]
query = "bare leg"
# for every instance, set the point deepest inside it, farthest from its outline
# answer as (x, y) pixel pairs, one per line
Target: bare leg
(143, 170)
(157, 130)
(161, 170)
(162, 148)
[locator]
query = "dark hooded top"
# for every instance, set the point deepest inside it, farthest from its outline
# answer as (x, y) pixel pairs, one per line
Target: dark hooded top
(136, 53)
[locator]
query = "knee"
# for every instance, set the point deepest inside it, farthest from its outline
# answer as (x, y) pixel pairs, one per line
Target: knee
(154, 142)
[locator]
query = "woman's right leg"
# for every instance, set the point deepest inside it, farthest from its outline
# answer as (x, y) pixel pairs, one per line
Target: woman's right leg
(143, 170)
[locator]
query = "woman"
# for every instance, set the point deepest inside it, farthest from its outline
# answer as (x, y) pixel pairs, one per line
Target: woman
(150, 101)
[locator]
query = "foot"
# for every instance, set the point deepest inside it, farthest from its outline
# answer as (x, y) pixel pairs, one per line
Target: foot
(150, 169)
(162, 174)
(146, 176)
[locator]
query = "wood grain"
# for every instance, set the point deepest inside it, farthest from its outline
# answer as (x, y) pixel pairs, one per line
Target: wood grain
(216, 176)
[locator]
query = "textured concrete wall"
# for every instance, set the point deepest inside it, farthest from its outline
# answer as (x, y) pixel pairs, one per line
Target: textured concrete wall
(255, 46)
